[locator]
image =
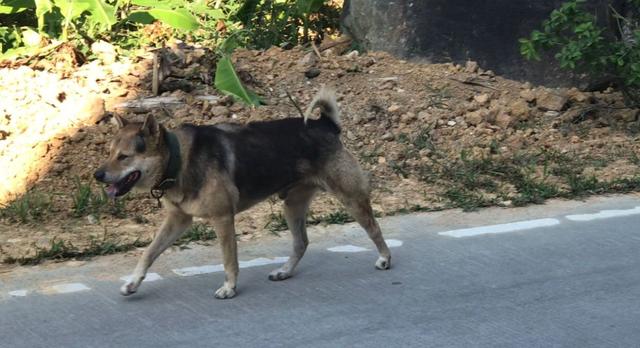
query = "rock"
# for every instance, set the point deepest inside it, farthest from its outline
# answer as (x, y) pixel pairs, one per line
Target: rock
(576, 95)
(520, 109)
(382, 160)
(629, 115)
(474, 118)
(394, 109)
(78, 137)
(551, 114)
(471, 66)
(312, 73)
(93, 110)
(550, 101)
(105, 51)
(309, 59)
(92, 220)
(528, 95)
(408, 117)
(451, 123)
(355, 68)
(352, 55)
(424, 115)
(351, 136)
(387, 136)
(504, 121)
(220, 111)
(481, 99)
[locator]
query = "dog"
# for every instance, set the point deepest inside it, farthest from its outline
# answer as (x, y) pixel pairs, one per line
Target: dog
(216, 171)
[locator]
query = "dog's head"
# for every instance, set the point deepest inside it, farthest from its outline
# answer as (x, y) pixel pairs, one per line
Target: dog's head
(137, 157)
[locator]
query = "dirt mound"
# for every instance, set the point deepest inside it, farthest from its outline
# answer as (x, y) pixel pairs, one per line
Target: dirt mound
(432, 136)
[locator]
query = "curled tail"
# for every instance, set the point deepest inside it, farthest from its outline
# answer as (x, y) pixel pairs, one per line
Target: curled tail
(326, 101)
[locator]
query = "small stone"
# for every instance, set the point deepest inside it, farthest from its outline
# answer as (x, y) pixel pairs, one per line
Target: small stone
(528, 95)
(408, 117)
(394, 109)
(308, 60)
(387, 136)
(504, 121)
(352, 55)
(629, 115)
(92, 220)
(351, 136)
(576, 95)
(78, 137)
(221, 111)
(481, 99)
(451, 123)
(551, 114)
(474, 118)
(520, 109)
(551, 101)
(312, 73)
(382, 160)
(471, 66)
(355, 68)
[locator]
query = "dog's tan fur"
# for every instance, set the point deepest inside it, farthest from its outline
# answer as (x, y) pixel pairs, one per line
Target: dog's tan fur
(219, 199)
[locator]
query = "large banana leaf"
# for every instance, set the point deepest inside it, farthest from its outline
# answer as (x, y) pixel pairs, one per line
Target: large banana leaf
(15, 6)
(309, 6)
(101, 13)
(178, 18)
(228, 82)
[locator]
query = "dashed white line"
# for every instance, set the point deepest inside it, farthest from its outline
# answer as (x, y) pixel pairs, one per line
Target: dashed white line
(18, 293)
(394, 243)
(191, 271)
(501, 228)
(603, 214)
(68, 288)
(150, 277)
(347, 249)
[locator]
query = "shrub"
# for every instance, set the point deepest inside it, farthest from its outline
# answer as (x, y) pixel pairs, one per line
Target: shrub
(583, 44)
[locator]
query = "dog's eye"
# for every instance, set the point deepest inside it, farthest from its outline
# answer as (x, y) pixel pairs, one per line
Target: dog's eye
(122, 157)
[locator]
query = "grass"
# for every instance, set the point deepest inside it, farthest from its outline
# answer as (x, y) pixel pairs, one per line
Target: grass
(30, 207)
(197, 232)
(88, 201)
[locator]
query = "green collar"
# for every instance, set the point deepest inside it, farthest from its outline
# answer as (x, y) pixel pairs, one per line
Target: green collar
(170, 176)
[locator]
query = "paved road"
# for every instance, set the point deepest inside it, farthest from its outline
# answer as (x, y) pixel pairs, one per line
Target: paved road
(552, 277)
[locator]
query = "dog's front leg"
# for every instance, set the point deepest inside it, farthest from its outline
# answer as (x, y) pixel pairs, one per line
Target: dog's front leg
(172, 228)
(225, 229)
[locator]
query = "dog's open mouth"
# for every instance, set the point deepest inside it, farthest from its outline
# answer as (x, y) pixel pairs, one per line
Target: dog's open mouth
(123, 186)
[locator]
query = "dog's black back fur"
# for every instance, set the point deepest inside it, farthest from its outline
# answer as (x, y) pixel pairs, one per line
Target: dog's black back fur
(268, 156)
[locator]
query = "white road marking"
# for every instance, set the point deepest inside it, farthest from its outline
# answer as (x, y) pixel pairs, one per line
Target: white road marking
(501, 228)
(603, 214)
(68, 288)
(18, 293)
(347, 249)
(394, 243)
(150, 277)
(191, 271)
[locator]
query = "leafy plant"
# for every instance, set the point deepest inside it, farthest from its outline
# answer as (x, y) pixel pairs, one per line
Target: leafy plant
(31, 207)
(585, 45)
(228, 82)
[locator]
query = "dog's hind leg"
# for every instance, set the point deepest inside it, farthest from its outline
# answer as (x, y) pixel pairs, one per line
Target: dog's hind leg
(347, 181)
(295, 212)
(226, 232)
(172, 228)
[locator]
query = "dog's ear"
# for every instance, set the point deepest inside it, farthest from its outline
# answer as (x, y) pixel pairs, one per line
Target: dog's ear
(150, 126)
(121, 122)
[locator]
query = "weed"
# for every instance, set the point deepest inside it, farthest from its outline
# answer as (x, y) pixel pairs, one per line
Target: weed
(339, 217)
(31, 207)
(197, 232)
(466, 199)
(87, 201)
(276, 223)
(372, 156)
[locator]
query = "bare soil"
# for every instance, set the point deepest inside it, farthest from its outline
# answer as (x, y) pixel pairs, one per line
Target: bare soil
(432, 136)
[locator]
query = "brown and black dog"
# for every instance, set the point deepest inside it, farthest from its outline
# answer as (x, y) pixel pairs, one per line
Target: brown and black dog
(215, 172)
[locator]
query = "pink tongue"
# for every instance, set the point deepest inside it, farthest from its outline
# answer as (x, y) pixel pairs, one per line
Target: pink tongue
(111, 191)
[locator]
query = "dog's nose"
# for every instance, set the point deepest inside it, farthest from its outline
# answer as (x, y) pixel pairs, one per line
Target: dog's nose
(99, 174)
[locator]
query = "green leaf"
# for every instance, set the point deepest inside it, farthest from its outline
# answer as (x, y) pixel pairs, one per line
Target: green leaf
(168, 4)
(142, 17)
(179, 18)
(309, 6)
(15, 6)
(71, 9)
(227, 82)
(42, 7)
(101, 12)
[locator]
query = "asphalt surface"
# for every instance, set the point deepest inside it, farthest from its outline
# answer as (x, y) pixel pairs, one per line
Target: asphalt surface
(572, 284)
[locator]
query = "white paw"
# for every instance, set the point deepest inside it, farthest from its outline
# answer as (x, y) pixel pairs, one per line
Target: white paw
(383, 263)
(225, 292)
(128, 289)
(279, 274)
